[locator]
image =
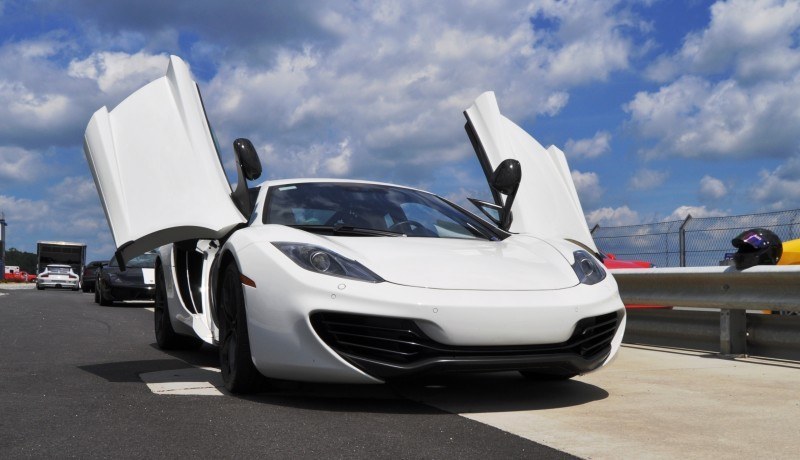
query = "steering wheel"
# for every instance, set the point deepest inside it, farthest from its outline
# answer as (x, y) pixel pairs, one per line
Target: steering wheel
(412, 226)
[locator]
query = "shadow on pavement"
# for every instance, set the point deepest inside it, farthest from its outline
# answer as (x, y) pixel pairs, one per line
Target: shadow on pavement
(458, 393)
(501, 392)
(128, 371)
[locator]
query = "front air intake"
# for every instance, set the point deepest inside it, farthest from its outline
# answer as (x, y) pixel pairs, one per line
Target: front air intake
(400, 343)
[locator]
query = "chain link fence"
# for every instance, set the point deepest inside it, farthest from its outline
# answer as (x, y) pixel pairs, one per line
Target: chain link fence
(693, 242)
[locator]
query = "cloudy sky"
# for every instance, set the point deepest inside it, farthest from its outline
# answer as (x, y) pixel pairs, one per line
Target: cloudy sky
(663, 108)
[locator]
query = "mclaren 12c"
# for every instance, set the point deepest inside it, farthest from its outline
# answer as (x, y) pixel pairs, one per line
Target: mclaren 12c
(345, 281)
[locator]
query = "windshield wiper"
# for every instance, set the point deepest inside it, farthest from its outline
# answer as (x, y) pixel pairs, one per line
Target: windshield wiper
(346, 230)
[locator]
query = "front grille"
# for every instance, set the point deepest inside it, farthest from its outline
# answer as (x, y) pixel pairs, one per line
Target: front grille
(399, 341)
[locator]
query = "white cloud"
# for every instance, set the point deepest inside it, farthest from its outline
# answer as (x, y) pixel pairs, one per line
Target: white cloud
(395, 86)
(592, 147)
(731, 90)
(681, 212)
(712, 188)
(647, 179)
(613, 217)
(779, 189)
(118, 72)
(753, 38)
(69, 210)
(693, 117)
(17, 164)
(588, 186)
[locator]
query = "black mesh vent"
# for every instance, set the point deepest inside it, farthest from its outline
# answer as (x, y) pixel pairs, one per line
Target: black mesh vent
(400, 341)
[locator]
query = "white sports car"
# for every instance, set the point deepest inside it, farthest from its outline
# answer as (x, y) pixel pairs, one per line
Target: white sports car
(353, 281)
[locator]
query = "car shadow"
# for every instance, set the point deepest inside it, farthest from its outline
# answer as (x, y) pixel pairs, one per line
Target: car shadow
(454, 393)
(131, 304)
(499, 392)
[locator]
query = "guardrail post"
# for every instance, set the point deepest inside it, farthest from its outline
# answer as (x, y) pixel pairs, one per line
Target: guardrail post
(733, 332)
(682, 240)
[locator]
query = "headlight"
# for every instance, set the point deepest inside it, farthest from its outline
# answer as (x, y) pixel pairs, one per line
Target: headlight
(326, 262)
(587, 268)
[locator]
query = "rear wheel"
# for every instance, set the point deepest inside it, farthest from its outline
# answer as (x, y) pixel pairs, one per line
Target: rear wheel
(166, 337)
(236, 361)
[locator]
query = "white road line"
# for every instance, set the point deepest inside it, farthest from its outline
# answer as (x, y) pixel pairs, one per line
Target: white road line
(198, 381)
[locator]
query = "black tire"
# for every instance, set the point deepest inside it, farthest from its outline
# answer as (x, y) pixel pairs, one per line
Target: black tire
(105, 301)
(166, 337)
(96, 295)
(547, 377)
(236, 361)
(41, 288)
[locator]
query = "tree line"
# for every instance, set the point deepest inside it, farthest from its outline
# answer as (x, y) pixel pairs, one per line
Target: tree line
(25, 260)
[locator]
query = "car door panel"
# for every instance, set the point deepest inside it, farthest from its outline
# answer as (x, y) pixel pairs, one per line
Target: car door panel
(157, 169)
(547, 203)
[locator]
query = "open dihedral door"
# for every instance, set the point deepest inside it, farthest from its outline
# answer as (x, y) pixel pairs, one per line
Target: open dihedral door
(157, 169)
(547, 203)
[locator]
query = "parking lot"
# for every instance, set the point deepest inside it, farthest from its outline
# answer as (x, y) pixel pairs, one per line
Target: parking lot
(80, 380)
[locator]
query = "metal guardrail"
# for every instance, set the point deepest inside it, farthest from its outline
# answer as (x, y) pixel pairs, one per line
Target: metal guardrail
(732, 291)
(757, 288)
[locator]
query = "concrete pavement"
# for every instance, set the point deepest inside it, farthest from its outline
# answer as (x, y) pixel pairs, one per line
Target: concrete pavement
(649, 404)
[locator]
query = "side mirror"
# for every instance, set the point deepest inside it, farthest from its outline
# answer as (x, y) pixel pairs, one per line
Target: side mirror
(505, 179)
(247, 158)
(248, 167)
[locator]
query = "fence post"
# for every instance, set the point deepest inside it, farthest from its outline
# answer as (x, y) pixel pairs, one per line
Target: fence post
(733, 332)
(596, 226)
(682, 240)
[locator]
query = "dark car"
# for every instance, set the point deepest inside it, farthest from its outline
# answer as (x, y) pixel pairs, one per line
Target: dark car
(90, 275)
(136, 282)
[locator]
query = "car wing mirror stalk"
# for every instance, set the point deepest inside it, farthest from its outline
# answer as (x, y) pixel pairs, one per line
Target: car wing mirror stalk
(505, 179)
(492, 211)
(248, 167)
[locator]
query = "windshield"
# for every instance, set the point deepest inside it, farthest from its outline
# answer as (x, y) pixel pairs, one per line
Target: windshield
(147, 260)
(358, 209)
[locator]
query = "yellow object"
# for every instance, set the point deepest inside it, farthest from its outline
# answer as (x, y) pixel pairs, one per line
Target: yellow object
(791, 253)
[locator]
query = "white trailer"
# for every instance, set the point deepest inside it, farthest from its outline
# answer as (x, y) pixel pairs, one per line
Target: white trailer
(60, 252)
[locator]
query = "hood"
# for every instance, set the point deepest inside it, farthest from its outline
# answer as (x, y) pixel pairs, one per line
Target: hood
(518, 263)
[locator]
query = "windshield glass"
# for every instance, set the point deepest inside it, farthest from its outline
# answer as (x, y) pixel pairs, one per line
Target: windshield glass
(379, 208)
(147, 260)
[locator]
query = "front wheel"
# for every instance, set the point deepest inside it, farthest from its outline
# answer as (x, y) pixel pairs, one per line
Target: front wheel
(105, 301)
(236, 361)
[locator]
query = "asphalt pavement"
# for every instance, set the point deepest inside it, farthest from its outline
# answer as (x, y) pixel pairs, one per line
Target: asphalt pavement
(71, 386)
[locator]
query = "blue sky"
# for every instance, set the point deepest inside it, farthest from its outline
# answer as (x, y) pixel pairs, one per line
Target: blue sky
(663, 108)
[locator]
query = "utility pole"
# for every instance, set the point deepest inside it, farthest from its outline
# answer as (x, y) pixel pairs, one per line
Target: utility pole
(2, 243)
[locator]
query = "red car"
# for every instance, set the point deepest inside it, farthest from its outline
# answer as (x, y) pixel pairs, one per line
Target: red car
(611, 261)
(19, 276)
